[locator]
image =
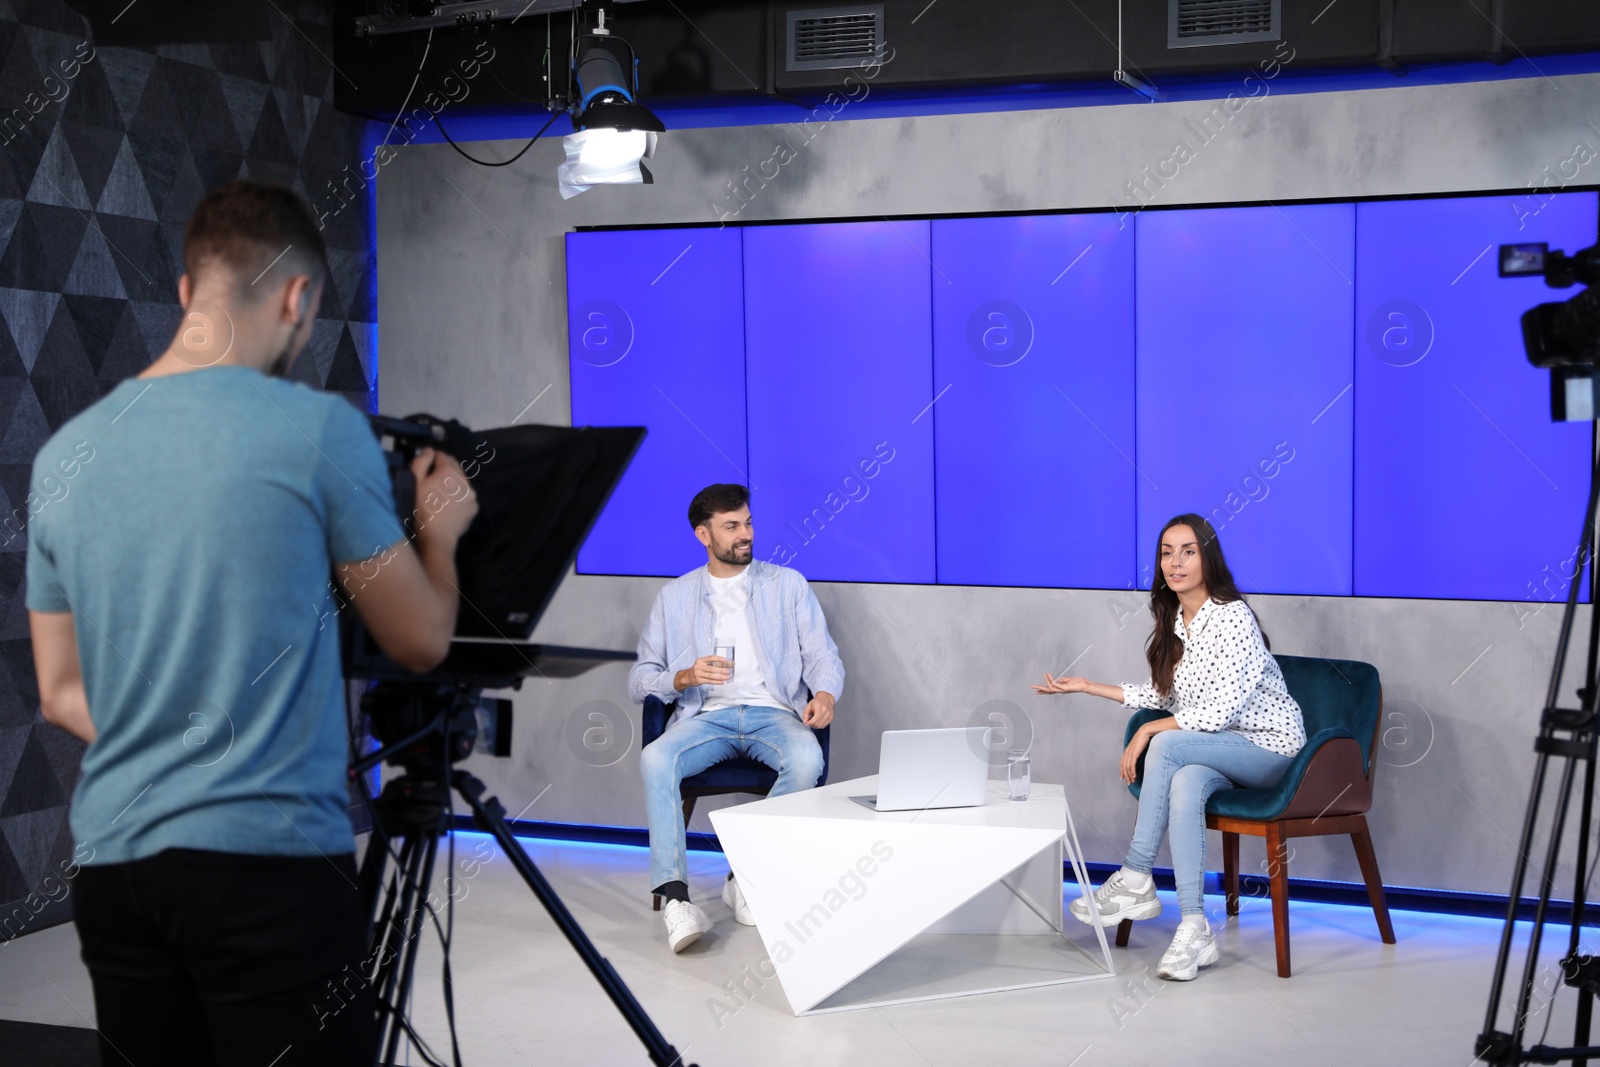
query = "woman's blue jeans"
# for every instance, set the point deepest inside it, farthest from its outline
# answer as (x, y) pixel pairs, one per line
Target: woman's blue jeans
(1182, 768)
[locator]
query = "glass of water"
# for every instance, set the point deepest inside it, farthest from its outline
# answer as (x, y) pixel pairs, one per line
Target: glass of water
(725, 652)
(1019, 773)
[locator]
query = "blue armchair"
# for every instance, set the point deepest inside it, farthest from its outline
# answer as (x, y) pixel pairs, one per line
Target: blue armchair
(741, 775)
(1326, 790)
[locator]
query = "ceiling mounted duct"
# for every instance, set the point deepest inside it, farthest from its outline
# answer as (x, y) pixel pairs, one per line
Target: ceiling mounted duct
(120, 23)
(835, 37)
(1204, 23)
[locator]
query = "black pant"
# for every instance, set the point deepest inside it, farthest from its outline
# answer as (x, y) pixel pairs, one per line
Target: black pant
(214, 959)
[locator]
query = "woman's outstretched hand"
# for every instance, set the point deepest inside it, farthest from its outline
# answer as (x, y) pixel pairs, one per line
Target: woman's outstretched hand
(1131, 754)
(1062, 684)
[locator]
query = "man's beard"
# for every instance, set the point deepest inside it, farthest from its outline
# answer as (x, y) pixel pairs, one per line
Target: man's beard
(737, 557)
(279, 367)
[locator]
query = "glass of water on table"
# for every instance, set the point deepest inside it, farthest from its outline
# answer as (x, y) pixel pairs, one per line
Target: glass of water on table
(1019, 774)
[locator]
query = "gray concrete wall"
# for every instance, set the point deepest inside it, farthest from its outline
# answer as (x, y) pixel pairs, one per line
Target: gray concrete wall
(472, 321)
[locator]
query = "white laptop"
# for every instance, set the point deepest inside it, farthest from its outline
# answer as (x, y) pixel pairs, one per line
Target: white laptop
(920, 769)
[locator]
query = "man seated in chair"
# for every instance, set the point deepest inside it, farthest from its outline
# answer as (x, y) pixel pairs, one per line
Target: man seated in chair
(766, 704)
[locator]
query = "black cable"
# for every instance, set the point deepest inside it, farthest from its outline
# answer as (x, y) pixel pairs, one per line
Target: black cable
(450, 921)
(791, 100)
(504, 163)
(444, 943)
(545, 62)
(1549, 1014)
(415, 1038)
(1588, 879)
(496, 78)
(399, 1011)
(415, 78)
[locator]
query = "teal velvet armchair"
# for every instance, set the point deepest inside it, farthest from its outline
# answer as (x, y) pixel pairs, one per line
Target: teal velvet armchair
(1326, 790)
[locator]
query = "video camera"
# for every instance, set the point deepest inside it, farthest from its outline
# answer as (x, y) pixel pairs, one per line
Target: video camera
(540, 490)
(1562, 336)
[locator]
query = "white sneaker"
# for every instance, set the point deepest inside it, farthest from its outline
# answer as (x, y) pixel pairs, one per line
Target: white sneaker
(733, 897)
(1117, 902)
(1192, 948)
(685, 923)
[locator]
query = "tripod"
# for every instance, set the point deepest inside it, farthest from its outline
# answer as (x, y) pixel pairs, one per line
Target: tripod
(1568, 734)
(409, 818)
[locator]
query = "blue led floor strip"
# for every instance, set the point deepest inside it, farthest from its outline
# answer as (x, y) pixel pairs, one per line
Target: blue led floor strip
(1308, 890)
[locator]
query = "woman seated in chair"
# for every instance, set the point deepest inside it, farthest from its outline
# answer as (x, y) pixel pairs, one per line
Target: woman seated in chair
(1233, 724)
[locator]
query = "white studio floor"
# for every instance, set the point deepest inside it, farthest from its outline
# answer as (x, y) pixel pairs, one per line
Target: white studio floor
(523, 998)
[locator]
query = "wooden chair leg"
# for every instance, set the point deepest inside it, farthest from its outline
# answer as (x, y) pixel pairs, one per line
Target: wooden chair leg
(655, 901)
(1230, 871)
(1362, 840)
(1123, 929)
(1278, 868)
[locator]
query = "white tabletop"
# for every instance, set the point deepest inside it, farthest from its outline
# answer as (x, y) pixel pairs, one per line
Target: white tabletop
(1045, 808)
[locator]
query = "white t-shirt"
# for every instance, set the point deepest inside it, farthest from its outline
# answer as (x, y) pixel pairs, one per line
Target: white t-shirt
(730, 599)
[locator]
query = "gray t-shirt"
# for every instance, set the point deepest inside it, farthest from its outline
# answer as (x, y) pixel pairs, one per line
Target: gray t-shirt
(190, 524)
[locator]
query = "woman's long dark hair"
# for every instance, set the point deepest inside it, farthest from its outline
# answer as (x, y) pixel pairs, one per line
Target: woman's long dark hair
(1164, 649)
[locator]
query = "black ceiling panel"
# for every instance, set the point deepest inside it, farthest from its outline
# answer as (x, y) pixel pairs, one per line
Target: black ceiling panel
(731, 51)
(1427, 30)
(1550, 25)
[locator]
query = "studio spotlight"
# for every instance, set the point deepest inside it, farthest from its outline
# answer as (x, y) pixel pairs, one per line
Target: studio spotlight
(613, 134)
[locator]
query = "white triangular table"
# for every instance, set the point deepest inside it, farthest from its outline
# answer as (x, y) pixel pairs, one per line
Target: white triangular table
(859, 908)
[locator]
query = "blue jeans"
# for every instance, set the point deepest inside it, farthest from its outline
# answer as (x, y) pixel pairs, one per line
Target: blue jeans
(771, 735)
(1182, 768)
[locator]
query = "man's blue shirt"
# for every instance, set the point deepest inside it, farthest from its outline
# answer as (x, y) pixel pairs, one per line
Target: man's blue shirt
(190, 524)
(797, 656)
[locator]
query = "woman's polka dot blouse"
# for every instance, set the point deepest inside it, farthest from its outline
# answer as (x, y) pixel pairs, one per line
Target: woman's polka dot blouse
(1227, 680)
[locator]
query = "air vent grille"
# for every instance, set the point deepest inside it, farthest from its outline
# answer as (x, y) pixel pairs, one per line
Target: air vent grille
(1199, 23)
(832, 38)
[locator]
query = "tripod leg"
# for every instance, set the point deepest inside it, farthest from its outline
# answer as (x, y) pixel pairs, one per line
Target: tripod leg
(390, 938)
(1588, 694)
(1493, 1045)
(491, 816)
(373, 864)
(1580, 1026)
(1547, 881)
(381, 956)
(416, 890)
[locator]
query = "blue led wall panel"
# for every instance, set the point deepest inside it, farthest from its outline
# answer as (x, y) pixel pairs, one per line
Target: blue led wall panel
(1244, 380)
(1033, 431)
(838, 364)
(1464, 488)
(1343, 420)
(655, 333)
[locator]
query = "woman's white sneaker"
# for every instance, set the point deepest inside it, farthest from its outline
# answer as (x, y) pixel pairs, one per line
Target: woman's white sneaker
(1116, 901)
(685, 923)
(1192, 948)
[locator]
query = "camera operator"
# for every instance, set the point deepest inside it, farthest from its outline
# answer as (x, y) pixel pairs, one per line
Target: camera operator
(182, 625)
